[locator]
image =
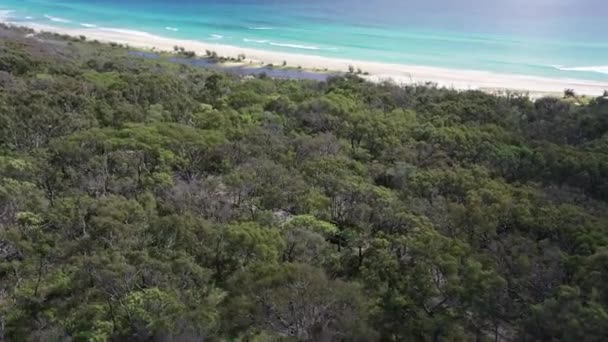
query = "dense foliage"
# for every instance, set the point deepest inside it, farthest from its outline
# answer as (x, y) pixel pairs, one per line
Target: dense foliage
(142, 200)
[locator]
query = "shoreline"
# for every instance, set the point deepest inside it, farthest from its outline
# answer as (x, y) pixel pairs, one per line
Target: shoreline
(487, 81)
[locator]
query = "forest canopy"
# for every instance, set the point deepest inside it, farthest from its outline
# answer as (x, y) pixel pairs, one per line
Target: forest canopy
(150, 201)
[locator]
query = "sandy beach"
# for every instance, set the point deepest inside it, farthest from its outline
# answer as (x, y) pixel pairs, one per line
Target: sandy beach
(397, 73)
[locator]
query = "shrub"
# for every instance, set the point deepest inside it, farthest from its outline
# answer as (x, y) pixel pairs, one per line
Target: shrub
(569, 93)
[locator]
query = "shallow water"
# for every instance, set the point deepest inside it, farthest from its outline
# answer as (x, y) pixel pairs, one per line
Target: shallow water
(552, 38)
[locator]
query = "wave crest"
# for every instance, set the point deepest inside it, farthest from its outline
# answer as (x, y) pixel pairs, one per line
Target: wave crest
(602, 69)
(57, 19)
(169, 28)
(259, 41)
(5, 14)
(296, 46)
(88, 25)
(286, 45)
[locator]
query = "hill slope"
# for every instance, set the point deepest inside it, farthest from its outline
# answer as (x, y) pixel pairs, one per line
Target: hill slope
(145, 200)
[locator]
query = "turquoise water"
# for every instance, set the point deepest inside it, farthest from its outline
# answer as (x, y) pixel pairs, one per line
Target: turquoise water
(553, 38)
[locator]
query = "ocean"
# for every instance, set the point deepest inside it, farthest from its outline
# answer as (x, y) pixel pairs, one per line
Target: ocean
(550, 38)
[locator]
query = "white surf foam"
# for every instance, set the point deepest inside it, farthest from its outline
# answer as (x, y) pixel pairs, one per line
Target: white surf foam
(216, 36)
(88, 25)
(259, 28)
(175, 29)
(29, 17)
(296, 46)
(259, 41)
(5, 14)
(127, 32)
(602, 69)
(57, 19)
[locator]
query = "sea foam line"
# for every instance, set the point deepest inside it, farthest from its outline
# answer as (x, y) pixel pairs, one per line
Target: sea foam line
(287, 45)
(259, 28)
(259, 41)
(57, 19)
(6, 14)
(175, 29)
(128, 32)
(88, 25)
(296, 46)
(602, 69)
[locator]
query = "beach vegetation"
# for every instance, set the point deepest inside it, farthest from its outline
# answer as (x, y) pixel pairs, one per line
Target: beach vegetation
(142, 200)
(568, 93)
(212, 55)
(189, 54)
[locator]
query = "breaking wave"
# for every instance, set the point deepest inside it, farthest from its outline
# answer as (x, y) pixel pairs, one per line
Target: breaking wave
(602, 69)
(259, 41)
(296, 46)
(57, 19)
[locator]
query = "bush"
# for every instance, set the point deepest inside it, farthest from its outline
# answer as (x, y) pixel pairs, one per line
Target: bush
(569, 93)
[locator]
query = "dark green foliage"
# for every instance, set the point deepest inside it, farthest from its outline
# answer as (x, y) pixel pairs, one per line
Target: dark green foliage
(142, 200)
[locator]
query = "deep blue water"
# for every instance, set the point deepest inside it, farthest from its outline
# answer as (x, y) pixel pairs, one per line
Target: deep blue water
(554, 38)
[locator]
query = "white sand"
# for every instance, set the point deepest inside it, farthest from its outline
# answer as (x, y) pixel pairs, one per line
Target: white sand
(400, 74)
